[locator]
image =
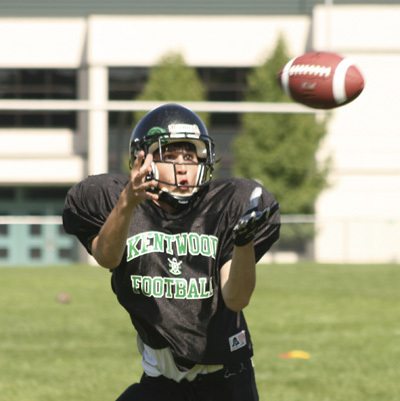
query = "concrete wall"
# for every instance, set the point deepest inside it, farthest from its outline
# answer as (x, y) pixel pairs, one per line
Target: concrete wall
(359, 214)
(42, 42)
(203, 41)
(32, 156)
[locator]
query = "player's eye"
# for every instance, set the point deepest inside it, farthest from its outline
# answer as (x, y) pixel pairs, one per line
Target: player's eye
(188, 157)
(173, 156)
(168, 157)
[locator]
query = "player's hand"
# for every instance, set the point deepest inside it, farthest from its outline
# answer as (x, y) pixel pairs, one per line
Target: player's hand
(139, 187)
(248, 225)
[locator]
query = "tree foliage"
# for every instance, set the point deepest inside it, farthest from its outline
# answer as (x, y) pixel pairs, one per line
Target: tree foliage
(172, 79)
(280, 149)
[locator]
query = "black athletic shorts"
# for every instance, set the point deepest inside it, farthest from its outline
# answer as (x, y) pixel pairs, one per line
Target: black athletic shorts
(233, 383)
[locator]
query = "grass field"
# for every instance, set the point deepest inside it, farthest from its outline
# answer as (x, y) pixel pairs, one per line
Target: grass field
(346, 317)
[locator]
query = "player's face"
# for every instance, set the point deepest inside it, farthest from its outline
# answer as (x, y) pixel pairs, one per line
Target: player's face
(177, 166)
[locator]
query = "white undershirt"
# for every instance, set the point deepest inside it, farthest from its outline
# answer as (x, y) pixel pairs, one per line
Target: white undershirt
(157, 362)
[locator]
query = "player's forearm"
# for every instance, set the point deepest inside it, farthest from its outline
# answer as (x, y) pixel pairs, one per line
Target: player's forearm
(109, 246)
(241, 280)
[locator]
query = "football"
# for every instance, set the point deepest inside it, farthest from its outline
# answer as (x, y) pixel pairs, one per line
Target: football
(322, 80)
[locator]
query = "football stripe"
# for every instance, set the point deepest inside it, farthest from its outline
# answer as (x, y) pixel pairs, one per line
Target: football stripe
(339, 81)
(285, 76)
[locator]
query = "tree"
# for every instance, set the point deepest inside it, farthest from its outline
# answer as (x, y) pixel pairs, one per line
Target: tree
(280, 149)
(172, 79)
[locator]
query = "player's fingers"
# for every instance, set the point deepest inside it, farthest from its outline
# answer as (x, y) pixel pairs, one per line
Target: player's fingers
(140, 185)
(146, 167)
(151, 196)
(141, 168)
(140, 174)
(141, 190)
(150, 186)
(151, 191)
(137, 162)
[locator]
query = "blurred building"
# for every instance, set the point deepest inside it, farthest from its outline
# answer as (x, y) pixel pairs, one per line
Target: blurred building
(63, 64)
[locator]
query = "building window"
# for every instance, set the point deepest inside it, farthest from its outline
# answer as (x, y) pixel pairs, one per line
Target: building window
(226, 85)
(48, 193)
(35, 230)
(38, 84)
(3, 230)
(221, 84)
(3, 253)
(66, 253)
(7, 193)
(126, 83)
(35, 253)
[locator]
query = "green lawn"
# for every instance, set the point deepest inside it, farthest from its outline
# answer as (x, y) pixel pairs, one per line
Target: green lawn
(346, 317)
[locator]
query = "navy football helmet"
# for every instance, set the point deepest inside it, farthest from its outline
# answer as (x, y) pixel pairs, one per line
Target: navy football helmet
(168, 124)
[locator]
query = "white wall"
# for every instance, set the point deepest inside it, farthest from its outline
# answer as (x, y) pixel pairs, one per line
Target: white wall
(357, 28)
(141, 40)
(359, 214)
(39, 156)
(42, 42)
(202, 40)
(18, 142)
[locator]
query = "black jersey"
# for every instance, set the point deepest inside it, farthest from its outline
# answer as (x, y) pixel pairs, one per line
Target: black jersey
(169, 278)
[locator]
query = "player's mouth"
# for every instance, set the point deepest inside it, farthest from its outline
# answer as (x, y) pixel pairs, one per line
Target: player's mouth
(183, 185)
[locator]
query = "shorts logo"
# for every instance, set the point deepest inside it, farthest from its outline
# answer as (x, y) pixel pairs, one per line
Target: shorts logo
(237, 341)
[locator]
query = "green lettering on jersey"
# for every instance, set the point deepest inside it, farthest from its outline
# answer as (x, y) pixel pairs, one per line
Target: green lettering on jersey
(172, 287)
(132, 250)
(136, 282)
(169, 239)
(169, 284)
(192, 290)
(145, 243)
(203, 292)
(213, 245)
(180, 288)
(146, 286)
(205, 245)
(181, 244)
(194, 244)
(158, 242)
(157, 289)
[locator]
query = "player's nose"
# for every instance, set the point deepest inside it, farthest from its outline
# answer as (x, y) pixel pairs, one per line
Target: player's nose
(180, 165)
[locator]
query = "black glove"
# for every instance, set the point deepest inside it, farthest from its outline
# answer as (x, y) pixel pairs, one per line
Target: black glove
(246, 228)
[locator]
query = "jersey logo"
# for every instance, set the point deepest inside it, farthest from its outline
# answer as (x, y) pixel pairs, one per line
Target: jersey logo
(175, 266)
(237, 341)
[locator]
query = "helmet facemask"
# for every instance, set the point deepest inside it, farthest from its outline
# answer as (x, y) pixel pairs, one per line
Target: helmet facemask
(204, 151)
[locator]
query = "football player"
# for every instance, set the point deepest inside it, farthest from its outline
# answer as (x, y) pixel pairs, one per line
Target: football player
(182, 249)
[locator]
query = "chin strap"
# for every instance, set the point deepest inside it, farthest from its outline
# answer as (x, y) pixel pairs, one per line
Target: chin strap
(177, 202)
